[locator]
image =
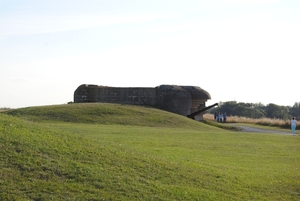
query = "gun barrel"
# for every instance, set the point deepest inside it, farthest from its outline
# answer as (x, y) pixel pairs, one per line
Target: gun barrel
(201, 110)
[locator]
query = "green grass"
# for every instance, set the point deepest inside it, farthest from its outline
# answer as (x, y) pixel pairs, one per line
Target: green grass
(121, 152)
(103, 113)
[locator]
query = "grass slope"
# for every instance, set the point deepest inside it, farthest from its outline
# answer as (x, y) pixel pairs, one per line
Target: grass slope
(103, 113)
(68, 152)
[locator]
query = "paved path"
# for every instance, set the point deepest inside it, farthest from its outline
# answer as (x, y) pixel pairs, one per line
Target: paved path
(259, 130)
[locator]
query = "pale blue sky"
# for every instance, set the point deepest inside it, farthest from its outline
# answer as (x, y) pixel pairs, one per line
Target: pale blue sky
(243, 50)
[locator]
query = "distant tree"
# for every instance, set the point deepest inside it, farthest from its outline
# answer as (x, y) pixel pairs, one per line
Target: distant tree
(258, 110)
(254, 113)
(259, 106)
(275, 111)
(228, 107)
(232, 108)
(295, 111)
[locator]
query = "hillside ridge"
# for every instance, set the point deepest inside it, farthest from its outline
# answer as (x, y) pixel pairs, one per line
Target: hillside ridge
(104, 113)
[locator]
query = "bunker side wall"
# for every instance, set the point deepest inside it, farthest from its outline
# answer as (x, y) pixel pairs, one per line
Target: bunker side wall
(174, 99)
(138, 96)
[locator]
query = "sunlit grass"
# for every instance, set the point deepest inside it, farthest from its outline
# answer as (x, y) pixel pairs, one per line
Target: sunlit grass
(103, 113)
(52, 159)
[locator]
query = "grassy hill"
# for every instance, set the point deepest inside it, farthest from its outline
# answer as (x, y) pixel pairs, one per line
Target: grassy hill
(103, 113)
(125, 152)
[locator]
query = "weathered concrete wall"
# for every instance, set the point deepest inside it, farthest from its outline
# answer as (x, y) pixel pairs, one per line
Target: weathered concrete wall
(94, 93)
(174, 99)
(178, 99)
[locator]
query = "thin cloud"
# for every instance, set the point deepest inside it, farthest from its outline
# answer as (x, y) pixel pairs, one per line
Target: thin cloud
(248, 2)
(21, 25)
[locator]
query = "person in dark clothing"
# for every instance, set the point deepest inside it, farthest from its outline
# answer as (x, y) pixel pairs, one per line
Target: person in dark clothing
(216, 116)
(224, 117)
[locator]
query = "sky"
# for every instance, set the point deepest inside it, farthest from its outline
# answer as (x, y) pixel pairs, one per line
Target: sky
(237, 50)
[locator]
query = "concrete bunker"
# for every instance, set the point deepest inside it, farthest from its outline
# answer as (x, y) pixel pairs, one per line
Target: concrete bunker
(184, 100)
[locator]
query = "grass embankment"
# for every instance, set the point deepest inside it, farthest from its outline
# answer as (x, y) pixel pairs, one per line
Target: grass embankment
(76, 152)
(103, 113)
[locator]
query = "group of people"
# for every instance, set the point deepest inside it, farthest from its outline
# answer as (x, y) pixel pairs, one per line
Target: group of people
(220, 117)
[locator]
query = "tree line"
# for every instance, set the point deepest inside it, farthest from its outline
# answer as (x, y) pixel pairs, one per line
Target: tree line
(258, 110)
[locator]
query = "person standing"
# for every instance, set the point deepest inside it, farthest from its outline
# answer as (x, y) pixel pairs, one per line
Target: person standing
(224, 117)
(220, 117)
(293, 125)
(216, 116)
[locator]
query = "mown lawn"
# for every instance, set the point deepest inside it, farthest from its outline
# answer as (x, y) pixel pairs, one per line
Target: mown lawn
(59, 160)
